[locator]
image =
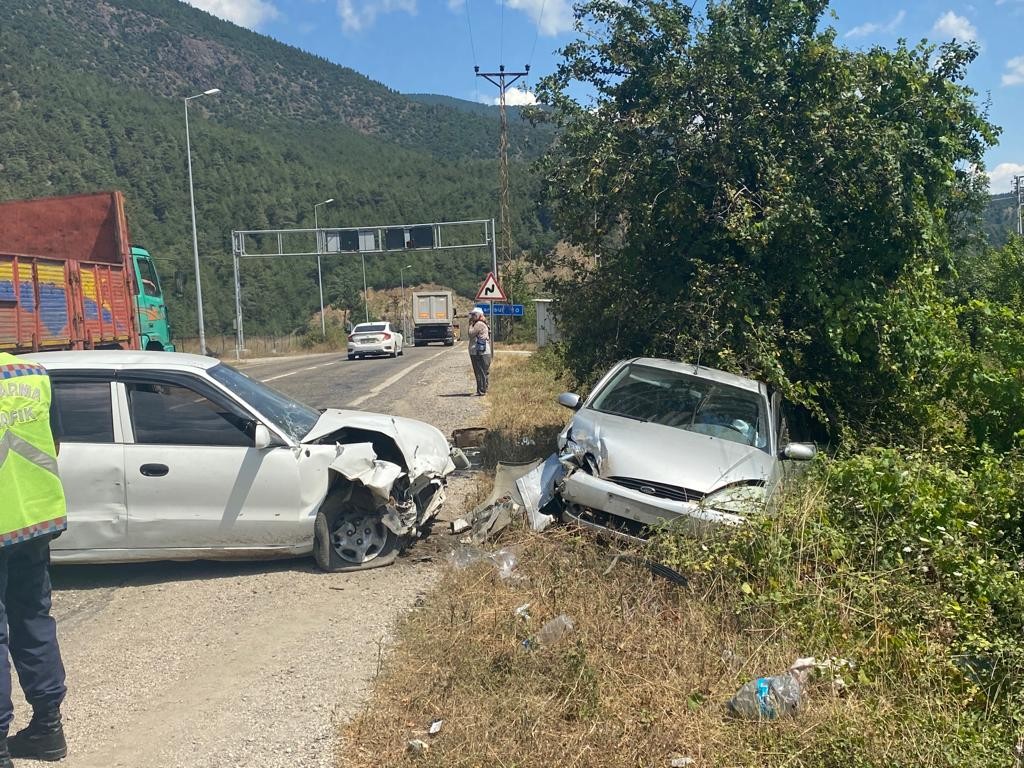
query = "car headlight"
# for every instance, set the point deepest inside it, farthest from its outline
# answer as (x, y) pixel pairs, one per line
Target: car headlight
(737, 499)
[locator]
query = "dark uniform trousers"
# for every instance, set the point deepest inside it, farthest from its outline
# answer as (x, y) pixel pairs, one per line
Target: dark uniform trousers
(27, 631)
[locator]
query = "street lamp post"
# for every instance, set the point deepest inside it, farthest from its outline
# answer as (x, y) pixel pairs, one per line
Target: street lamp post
(405, 307)
(195, 238)
(319, 274)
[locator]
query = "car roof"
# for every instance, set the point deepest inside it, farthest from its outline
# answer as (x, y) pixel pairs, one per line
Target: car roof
(703, 372)
(120, 359)
(371, 322)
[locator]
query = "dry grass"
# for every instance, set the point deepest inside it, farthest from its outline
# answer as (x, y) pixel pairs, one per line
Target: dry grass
(524, 418)
(641, 679)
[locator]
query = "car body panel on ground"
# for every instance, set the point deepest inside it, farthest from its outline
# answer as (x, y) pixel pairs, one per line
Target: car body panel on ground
(175, 456)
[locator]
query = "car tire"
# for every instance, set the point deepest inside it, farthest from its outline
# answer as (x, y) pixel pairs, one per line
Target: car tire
(450, 343)
(351, 357)
(394, 354)
(326, 550)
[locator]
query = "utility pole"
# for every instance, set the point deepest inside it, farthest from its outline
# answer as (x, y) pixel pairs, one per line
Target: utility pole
(503, 80)
(195, 238)
(319, 273)
(1018, 187)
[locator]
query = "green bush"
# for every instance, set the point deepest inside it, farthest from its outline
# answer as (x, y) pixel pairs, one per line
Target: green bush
(909, 564)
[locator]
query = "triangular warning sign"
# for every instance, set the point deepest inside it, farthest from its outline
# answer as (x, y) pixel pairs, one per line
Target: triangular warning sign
(490, 290)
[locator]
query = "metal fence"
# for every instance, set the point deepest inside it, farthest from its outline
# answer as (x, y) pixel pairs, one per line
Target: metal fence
(223, 346)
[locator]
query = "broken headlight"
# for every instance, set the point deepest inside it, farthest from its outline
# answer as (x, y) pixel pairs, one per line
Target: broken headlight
(737, 499)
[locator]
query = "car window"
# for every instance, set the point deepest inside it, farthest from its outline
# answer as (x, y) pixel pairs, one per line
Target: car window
(80, 411)
(687, 402)
(371, 328)
(171, 414)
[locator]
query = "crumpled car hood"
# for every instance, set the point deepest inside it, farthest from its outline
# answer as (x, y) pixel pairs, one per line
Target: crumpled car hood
(662, 454)
(424, 447)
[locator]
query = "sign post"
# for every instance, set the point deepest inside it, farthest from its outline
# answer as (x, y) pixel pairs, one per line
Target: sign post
(491, 292)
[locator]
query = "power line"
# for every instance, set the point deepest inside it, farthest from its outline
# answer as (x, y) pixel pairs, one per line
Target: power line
(536, 37)
(469, 23)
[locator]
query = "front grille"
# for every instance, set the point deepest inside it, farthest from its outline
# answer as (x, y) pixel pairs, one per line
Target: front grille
(658, 490)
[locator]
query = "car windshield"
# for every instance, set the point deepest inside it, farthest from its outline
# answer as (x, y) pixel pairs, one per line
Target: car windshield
(290, 416)
(371, 328)
(696, 404)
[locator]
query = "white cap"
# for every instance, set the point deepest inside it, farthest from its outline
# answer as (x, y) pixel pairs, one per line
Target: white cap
(476, 311)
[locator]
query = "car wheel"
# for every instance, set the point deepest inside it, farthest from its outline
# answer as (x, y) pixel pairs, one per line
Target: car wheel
(353, 541)
(351, 357)
(394, 354)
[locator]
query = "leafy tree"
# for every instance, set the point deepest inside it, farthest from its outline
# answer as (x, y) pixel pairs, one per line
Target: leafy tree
(761, 199)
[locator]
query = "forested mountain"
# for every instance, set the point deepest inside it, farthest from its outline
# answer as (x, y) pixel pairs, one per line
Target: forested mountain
(1000, 218)
(91, 98)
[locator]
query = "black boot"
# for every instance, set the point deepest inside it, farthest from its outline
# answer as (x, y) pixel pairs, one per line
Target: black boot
(5, 756)
(42, 739)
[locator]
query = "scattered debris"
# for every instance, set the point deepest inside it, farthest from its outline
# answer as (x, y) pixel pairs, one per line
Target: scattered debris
(504, 560)
(435, 727)
(459, 525)
(768, 698)
(681, 762)
(417, 746)
(554, 630)
(523, 611)
(490, 521)
(470, 437)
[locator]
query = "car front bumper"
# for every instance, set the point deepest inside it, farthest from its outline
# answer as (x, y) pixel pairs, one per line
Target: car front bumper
(583, 490)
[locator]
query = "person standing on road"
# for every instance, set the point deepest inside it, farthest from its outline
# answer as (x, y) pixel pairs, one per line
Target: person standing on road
(32, 512)
(479, 349)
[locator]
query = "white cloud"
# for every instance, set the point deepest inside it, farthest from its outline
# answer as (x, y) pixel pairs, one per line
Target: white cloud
(357, 15)
(552, 17)
(244, 13)
(456, 5)
(953, 26)
(874, 27)
(515, 97)
(1014, 74)
(1001, 177)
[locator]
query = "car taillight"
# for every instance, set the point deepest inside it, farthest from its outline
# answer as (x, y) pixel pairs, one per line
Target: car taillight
(387, 336)
(351, 337)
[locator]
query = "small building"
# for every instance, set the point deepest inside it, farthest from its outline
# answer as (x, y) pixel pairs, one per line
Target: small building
(547, 327)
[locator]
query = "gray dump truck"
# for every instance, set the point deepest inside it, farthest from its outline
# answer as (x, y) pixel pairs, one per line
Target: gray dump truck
(432, 316)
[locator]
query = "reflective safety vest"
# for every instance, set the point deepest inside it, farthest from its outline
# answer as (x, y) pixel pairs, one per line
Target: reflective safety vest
(31, 496)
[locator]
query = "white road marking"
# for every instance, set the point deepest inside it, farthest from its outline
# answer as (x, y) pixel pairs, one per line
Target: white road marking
(394, 379)
(300, 370)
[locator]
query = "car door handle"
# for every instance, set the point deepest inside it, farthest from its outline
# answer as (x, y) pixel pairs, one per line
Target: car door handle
(154, 470)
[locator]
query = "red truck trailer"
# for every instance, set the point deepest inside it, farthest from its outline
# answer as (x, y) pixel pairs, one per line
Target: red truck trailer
(66, 274)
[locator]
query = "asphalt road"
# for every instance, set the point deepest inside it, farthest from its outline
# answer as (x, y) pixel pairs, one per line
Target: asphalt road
(331, 380)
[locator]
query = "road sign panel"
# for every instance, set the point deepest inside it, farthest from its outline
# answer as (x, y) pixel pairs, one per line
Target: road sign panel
(490, 290)
(505, 310)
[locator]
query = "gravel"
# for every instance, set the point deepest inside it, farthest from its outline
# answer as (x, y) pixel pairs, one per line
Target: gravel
(242, 664)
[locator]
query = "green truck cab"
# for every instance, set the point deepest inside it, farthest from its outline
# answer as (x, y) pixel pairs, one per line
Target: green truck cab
(154, 327)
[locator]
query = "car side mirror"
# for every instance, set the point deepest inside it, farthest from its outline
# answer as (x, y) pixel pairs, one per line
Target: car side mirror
(570, 400)
(799, 451)
(262, 438)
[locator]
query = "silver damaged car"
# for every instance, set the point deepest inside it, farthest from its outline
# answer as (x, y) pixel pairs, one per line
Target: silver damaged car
(661, 441)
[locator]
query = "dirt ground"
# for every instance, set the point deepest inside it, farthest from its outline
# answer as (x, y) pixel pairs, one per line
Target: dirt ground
(197, 665)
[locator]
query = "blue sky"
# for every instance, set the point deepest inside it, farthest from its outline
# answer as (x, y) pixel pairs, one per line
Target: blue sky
(430, 46)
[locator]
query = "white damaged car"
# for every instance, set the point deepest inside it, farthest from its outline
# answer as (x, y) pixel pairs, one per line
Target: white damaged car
(169, 456)
(661, 441)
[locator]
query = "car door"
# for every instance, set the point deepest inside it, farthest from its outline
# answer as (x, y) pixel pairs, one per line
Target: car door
(195, 479)
(91, 460)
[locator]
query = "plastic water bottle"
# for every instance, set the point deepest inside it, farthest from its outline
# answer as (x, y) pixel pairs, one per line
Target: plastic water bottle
(554, 630)
(768, 698)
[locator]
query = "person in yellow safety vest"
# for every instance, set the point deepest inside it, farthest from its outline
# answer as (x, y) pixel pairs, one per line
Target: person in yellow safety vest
(32, 512)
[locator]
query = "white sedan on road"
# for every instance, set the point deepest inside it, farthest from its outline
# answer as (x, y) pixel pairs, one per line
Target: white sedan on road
(375, 339)
(167, 456)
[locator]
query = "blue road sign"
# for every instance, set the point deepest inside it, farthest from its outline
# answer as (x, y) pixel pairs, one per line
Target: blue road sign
(505, 310)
